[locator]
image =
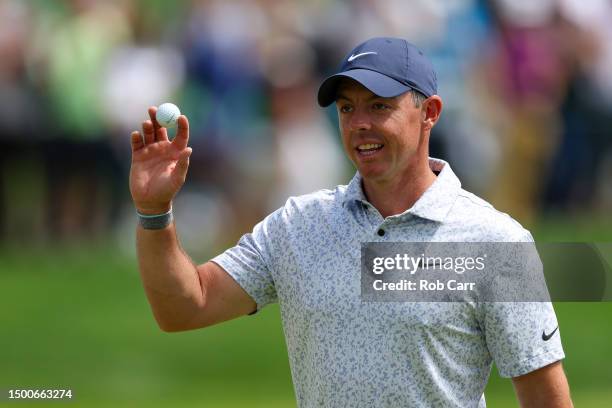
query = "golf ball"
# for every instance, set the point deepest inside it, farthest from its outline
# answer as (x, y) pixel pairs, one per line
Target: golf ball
(167, 114)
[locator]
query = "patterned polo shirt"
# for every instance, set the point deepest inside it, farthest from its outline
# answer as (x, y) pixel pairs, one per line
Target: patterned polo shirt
(345, 352)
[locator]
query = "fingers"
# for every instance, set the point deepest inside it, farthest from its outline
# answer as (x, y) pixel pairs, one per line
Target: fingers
(161, 134)
(152, 113)
(137, 141)
(182, 134)
(152, 132)
(149, 131)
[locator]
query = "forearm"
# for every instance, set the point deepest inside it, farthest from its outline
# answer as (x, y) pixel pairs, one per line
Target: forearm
(554, 397)
(544, 388)
(170, 278)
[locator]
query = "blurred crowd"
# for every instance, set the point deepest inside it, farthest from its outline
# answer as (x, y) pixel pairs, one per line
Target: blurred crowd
(527, 87)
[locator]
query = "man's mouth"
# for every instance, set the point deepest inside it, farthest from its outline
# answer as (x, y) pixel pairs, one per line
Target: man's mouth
(369, 149)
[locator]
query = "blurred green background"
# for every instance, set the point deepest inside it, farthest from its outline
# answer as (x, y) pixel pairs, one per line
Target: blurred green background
(527, 90)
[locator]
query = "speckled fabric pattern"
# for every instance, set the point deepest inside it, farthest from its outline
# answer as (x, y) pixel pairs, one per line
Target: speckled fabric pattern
(345, 352)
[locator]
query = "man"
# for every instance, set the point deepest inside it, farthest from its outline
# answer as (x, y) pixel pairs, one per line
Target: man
(306, 255)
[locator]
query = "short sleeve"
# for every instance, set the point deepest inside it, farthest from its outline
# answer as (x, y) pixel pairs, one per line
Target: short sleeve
(522, 336)
(251, 261)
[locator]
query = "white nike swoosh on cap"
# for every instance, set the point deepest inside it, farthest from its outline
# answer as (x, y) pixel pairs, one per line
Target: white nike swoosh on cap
(353, 57)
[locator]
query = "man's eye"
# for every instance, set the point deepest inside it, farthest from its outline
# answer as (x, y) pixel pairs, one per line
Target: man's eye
(379, 106)
(346, 108)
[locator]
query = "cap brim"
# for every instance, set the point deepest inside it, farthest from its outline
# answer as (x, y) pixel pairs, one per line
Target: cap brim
(376, 82)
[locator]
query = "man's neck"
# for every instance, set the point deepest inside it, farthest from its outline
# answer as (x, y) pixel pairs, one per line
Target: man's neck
(392, 197)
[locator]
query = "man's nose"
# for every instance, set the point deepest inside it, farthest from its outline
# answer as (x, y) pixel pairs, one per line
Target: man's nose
(360, 120)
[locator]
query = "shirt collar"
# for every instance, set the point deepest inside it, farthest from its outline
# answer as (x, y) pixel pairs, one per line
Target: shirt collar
(436, 201)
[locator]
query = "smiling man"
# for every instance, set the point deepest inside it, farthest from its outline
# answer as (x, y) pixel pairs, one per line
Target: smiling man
(382, 137)
(306, 256)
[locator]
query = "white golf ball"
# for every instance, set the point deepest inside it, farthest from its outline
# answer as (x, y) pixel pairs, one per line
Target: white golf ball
(167, 114)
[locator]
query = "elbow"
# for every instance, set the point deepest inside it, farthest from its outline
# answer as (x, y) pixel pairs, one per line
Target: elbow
(182, 314)
(169, 324)
(169, 328)
(174, 326)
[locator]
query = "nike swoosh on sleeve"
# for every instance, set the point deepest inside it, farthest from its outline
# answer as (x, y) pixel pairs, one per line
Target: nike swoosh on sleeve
(547, 337)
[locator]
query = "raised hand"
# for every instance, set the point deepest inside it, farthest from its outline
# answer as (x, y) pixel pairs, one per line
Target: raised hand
(159, 166)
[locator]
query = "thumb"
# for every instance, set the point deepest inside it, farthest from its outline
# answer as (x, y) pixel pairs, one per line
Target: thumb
(183, 162)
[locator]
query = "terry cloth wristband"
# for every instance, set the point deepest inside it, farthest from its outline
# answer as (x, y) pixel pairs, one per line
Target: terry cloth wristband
(155, 222)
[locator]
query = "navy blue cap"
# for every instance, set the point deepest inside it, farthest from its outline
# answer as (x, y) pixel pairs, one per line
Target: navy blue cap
(386, 66)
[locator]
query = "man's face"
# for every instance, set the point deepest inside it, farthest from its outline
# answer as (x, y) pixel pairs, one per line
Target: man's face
(380, 135)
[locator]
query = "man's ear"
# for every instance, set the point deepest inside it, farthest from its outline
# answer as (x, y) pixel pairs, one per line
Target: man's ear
(431, 109)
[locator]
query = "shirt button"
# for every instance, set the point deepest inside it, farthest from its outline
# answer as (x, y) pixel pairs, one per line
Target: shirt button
(381, 232)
